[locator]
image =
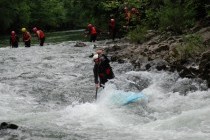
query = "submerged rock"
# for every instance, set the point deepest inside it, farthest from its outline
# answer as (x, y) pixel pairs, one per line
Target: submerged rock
(5, 125)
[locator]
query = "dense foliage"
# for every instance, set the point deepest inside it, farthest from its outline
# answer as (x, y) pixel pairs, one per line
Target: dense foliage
(173, 15)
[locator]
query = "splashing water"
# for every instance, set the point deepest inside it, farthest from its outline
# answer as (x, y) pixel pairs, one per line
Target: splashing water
(49, 92)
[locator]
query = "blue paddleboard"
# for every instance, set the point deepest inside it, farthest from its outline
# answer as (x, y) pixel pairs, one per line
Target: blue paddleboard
(124, 98)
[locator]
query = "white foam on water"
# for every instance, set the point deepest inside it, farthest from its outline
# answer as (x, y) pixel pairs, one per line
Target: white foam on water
(49, 92)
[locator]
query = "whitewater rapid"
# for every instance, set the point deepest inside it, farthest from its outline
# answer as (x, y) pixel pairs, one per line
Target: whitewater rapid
(49, 93)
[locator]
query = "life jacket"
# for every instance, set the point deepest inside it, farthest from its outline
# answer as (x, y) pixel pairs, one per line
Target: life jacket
(112, 23)
(93, 30)
(26, 36)
(41, 34)
(128, 15)
(107, 73)
(13, 38)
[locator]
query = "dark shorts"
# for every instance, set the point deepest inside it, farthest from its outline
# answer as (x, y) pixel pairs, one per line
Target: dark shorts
(42, 41)
(93, 37)
(28, 43)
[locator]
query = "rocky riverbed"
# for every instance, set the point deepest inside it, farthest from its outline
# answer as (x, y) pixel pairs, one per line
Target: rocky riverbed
(166, 52)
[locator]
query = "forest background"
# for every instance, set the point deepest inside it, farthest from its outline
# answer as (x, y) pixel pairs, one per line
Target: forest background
(175, 16)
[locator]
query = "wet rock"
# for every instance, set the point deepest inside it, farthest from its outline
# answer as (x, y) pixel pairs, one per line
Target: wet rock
(5, 125)
(80, 44)
(204, 66)
(163, 47)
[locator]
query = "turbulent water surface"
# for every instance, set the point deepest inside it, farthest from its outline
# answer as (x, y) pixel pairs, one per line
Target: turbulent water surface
(49, 92)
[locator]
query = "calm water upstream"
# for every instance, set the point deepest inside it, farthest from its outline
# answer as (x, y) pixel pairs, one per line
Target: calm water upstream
(49, 92)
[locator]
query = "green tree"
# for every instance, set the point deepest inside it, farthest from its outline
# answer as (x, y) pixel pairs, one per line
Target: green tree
(48, 13)
(13, 14)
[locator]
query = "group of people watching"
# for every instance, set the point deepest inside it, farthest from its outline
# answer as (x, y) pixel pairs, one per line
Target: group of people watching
(93, 31)
(131, 16)
(14, 39)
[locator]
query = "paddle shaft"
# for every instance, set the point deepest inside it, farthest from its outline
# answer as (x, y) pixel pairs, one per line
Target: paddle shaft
(96, 93)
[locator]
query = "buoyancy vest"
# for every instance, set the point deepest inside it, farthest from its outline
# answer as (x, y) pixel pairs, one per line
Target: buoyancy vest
(26, 36)
(112, 23)
(41, 34)
(128, 15)
(13, 38)
(93, 30)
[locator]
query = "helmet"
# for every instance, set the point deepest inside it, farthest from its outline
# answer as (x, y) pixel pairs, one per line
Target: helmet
(95, 56)
(13, 33)
(133, 10)
(112, 20)
(23, 29)
(126, 8)
(34, 29)
(90, 25)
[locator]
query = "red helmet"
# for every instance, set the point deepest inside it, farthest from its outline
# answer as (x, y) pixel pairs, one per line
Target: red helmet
(34, 29)
(13, 33)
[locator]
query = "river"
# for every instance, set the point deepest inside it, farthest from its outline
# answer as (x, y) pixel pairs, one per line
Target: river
(49, 93)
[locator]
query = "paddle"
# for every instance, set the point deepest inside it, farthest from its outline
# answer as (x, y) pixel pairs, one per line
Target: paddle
(97, 90)
(96, 93)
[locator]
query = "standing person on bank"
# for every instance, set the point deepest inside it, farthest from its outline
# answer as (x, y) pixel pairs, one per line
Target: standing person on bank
(26, 37)
(14, 39)
(92, 32)
(102, 69)
(112, 28)
(40, 34)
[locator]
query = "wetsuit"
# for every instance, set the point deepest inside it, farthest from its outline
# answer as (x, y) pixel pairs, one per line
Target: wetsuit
(14, 39)
(102, 71)
(27, 39)
(93, 34)
(40, 34)
(112, 29)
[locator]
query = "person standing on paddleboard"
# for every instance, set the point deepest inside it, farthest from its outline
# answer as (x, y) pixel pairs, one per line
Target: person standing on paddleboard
(102, 69)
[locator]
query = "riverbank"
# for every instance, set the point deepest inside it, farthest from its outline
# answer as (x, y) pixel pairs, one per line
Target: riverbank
(188, 54)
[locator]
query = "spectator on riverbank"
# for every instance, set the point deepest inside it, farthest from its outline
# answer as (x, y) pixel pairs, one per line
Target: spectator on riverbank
(40, 34)
(92, 31)
(112, 28)
(26, 37)
(14, 39)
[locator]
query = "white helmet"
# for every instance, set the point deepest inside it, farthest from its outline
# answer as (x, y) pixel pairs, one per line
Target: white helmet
(95, 56)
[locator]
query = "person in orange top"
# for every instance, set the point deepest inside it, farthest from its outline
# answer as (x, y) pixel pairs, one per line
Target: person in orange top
(26, 37)
(127, 16)
(40, 34)
(14, 39)
(92, 32)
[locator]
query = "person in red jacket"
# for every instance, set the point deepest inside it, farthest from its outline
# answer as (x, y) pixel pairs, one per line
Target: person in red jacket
(14, 39)
(40, 34)
(26, 37)
(92, 32)
(112, 28)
